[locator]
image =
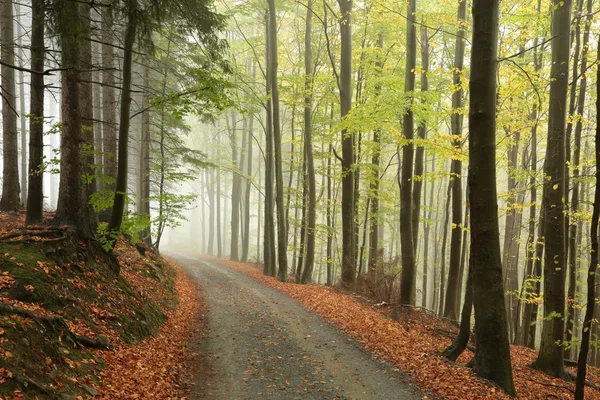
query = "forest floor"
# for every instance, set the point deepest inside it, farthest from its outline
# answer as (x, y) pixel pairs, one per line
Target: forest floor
(261, 344)
(78, 323)
(274, 329)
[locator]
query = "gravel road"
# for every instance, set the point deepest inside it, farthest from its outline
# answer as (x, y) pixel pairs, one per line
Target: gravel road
(261, 344)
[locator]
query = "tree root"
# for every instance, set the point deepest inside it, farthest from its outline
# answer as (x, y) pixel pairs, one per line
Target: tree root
(25, 383)
(56, 324)
(49, 232)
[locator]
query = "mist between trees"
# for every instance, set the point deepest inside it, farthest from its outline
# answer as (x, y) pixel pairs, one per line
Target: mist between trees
(435, 155)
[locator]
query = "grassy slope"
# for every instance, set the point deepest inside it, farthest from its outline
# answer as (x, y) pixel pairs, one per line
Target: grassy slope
(61, 276)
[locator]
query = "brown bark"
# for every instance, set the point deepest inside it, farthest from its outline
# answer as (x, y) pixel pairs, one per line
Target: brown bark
(10, 200)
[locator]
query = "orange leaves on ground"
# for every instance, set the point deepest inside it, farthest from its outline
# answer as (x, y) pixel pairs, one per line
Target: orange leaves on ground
(151, 370)
(414, 341)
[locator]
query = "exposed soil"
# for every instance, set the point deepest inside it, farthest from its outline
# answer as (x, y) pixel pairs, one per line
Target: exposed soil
(260, 343)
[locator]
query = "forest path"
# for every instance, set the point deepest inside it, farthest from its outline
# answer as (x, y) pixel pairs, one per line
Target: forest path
(261, 344)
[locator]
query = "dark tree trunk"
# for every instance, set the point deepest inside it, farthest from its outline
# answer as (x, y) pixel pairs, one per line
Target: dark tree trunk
(10, 200)
(116, 216)
(70, 206)
(329, 219)
(35, 198)
(492, 355)
(87, 114)
(109, 106)
(23, 112)
(591, 278)
(270, 256)
(311, 214)
(422, 134)
(550, 357)
(347, 138)
(144, 189)
(573, 231)
(462, 340)
(408, 276)
(456, 120)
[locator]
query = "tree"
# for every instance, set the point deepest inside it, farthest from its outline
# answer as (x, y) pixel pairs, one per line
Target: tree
(10, 150)
(451, 302)
(408, 278)
(551, 354)
(35, 198)
(492, 355)
(116, 216)
(71, 207)
(308, 150)
(281, 225)
(591, 278)
(347, 160)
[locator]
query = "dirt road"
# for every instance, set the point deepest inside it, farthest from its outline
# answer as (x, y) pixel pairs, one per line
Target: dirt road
(261, 344)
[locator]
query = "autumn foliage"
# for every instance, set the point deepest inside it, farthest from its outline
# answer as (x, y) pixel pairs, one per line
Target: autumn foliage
(414, 342)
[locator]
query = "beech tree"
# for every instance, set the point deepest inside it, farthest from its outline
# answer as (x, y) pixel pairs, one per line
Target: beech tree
(492, 354)
(551, 354)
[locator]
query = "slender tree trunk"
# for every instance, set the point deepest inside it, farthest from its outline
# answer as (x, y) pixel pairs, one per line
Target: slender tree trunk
(408, 276)
(329, 219)
(550, 356)
(426, 229)
(144, 189)
(236, 188)
(456, 120)
(109, 105)
(246, 227)
(591, 278)
(116, 216)
(440, 309)
(573, 232)
(270, 257)
(347, 138)
(492, 355)
(375, 183)
(10, 147)
(87, 114)
(422, 134)
(97, 100)
(311, 217)
(23, 112)
(462, 339)
(218, 199)
(35, 198)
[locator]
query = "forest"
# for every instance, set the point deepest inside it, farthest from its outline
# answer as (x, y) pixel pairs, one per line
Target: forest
(433, 156)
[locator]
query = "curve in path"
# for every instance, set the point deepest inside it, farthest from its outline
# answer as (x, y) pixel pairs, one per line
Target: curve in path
(261, 344)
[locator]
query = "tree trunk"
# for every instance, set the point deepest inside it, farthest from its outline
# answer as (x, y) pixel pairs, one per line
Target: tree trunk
(249, 173)
(573, 232)
(87, 114)
(144, 189)
(35, 198)
(23, 112)
(70, 206)
(281, 226)
(462, 340)
(456, 120)
(109, 106)
(347, 138)
(236, 188)
(270, 257)
(408, 276)
(442, 297)
(550, 356)
(116, 216)
(311, 214)
(492, 355)
(329, 219)
(591, 278)
(10, 147)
